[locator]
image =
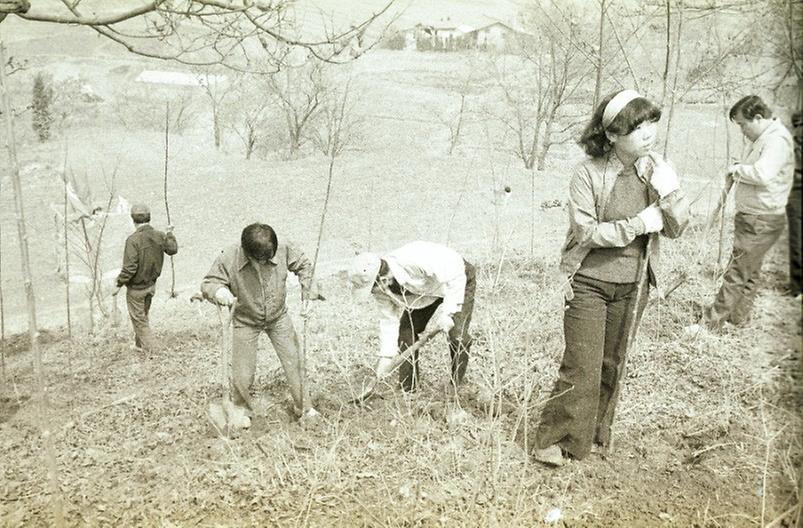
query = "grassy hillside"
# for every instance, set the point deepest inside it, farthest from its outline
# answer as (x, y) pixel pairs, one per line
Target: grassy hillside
(707, 432)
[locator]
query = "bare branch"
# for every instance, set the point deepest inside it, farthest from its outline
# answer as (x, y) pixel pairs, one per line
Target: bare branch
(75, 18)
(228, 30)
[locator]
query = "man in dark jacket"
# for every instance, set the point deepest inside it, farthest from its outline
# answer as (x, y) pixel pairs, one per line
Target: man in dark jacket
(793, 209)
(142, 264)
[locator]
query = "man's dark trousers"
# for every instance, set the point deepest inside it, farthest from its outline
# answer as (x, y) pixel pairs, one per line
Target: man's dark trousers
(413, 322)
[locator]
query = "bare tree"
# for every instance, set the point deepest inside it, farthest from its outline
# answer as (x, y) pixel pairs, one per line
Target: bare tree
(339, 123)
(247, 115)
(785, 18)
(85, 236)
(461, 87)
(673, 90)
(299, 92)
(216, 88)
(540, 88)
(667, 50)
(2, 308)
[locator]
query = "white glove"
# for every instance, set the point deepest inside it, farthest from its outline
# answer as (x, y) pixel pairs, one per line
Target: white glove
(383, 367)
(223, 296)
(313, 293)
(443, 321)
(652, 218)
(664, 178)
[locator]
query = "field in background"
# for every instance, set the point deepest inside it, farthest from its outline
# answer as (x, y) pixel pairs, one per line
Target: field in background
(396, 184)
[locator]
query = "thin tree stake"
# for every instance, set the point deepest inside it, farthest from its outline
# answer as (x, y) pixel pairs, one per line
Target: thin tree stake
(47, 438)
(167, 204)
(67, 260)
(724, 197)
(302, 359)
(2, 309)
(335, 144)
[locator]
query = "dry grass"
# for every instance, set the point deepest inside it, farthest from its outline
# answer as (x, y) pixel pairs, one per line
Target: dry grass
(707, 432)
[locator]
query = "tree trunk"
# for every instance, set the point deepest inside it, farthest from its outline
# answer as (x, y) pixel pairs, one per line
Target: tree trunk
(546, 142)
(216, 126)
(455, 133)
(295, 141)
(67, 271)
(302, 358)
(58, 510)
(532, 213)
(668, 47)
(721, 245)
(674, 78)
(2, 312)
(598, 84)
(90, 289)
(250, 141)
(91, 313)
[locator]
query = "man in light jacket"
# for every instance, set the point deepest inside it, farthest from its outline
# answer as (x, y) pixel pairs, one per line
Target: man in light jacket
(421, 285)
(762, 181)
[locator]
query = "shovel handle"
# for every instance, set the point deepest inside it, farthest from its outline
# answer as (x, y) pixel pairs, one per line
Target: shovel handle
(115, 312)
(225, 326)
(370, 387)
(412, 349)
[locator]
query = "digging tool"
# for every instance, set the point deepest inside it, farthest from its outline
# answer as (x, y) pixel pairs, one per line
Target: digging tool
(674, 285)
(224, 415)
(370, 386)
(115, 312)
(632, 330)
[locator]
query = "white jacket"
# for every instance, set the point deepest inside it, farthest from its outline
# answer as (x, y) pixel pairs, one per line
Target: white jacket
(427, 272)
(764, 178)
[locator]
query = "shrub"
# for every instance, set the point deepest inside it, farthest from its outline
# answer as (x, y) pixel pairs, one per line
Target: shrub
(41, 105)
(394, 40)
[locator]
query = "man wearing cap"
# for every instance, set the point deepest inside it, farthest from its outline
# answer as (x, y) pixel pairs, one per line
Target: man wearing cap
(418, 286)
(142, 264)
(252, 276)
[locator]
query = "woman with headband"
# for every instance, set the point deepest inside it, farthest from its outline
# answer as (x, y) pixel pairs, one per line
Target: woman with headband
(620, 198)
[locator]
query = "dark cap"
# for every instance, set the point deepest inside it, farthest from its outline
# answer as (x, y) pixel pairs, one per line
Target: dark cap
(140, 208)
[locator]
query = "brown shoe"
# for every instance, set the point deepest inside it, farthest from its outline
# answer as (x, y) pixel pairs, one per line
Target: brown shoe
(551, 456)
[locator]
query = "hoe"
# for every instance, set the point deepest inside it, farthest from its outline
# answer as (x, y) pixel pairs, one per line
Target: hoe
(369, 386)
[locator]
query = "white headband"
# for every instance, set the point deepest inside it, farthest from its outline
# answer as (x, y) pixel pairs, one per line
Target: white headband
(616, 105)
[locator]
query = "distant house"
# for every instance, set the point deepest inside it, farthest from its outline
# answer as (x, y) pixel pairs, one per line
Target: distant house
(497, 36)
(178, 78)
(488, 35)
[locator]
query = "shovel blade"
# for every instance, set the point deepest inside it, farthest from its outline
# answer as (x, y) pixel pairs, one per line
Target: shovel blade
(368, 390)
(217, 416)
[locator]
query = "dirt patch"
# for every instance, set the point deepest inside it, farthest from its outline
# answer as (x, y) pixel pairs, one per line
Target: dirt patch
(18, 343)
